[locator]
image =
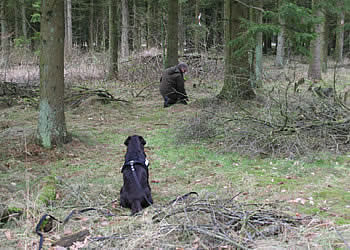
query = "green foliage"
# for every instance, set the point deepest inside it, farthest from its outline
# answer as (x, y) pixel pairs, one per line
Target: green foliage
(48, 191)
(247, 39)
(14, 210)
(21, 42)
(35, 17)
(299, 22)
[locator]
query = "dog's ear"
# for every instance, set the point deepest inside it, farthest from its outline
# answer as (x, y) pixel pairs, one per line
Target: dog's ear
(127, 141)
(143, 142)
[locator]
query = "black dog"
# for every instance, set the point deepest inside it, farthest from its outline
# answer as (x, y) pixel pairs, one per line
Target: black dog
(136, 191)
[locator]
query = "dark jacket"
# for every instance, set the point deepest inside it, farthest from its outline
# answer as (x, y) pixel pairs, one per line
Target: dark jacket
(172, 82)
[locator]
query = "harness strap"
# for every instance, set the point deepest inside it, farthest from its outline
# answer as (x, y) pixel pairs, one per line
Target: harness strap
(145, 164)
(138, 182)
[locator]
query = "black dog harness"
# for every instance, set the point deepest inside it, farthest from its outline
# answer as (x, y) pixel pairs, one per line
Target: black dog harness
(131, 164)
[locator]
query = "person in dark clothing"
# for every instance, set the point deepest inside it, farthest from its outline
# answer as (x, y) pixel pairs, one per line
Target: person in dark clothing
(172, 85)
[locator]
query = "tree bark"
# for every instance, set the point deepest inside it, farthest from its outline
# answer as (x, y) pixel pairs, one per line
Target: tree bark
(258, 48)
(125, 29)
(326, 39)
(4, 31)
(136, 41)
(196, 28)
(316, 45)
(68, 28)
(91, 26)
(148, 20)
(181, 30)
(237, 70)
(24, 19)
(340, 32)
(113, 40)
(279, 60)
(51, 123)
(172, 45)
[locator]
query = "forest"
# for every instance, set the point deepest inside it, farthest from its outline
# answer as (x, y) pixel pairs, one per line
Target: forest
(258, 158)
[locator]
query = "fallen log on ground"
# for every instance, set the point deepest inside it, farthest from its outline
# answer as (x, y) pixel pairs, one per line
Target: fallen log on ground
(73, 96)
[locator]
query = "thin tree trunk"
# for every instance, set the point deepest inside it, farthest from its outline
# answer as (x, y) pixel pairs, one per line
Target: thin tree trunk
(125, 29)
(181, 30)
(279, 60)
(51, 123)
(91, 26)
(258, 49)
(113, 40)
(104, 35)
(325, 36)
(340, 32)
(24, 19)
(316, 45)
(172, 45)
(215, 28)
(4, 31)
(136, 43)
(148, 29)
(68, 28)
(196, 29)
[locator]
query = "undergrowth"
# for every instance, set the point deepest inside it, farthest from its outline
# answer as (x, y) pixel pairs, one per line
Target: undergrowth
(190, 148)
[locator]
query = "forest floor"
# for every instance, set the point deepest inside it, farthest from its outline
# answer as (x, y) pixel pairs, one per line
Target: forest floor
(86, 173)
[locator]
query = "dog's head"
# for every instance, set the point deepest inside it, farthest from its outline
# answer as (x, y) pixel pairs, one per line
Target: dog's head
(135, 151)
(134, 139)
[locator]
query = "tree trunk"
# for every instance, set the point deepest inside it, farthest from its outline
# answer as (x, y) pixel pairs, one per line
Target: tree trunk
(136, 41)
(68, 28)
(113, 40)
(324, 63)
(148, 29)
(3, 39)
(316, 45)
(91, 26)
(236, 78)
(279, 60)
(340, 32)
(172, 45)
(104, 30)
(196, 28)
(51, 123)
(258, 48)
(125, 29)
(181, 30)
(24, 19)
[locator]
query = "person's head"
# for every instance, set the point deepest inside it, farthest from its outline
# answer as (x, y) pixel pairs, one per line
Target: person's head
(183, 67)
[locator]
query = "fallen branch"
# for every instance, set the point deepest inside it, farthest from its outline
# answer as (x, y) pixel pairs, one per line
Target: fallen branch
(69, 240)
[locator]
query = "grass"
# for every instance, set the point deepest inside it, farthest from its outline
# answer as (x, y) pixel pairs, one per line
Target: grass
(86, 173)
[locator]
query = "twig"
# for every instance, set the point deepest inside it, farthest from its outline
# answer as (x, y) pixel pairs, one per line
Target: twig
(149, 85)
(217, 235)
(342, 238)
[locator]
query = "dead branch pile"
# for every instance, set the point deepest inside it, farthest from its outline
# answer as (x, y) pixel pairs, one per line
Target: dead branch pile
(17, 89)
(226, 222)
(278, 123)
(293, 126)
(208, 222)
(74, 96)
(77, 95)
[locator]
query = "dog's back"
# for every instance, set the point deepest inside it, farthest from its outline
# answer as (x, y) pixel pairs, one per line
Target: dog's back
(136, 192)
